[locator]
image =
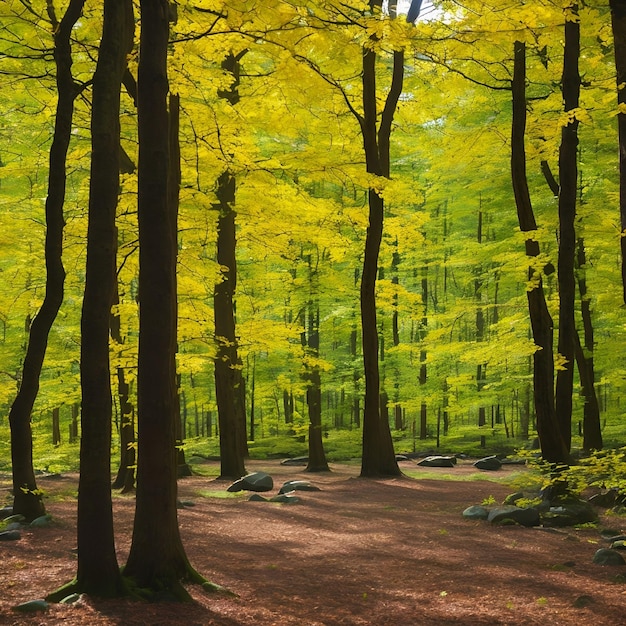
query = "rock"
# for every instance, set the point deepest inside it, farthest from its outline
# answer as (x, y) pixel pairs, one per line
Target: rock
(605, 499)
(255, 497)
(476, 511)
(514, 514)
(6, 511)
(296, 460)
(614, 538)
(71, 599)
(181, 504)
(14, 526)
(10, 535)
(32, 606)
(285, 498)
(40, 522)
(298, 485)
(438, 461)
(402, 457)
(512, 498)
(490, 463)
(606, 556)
(14, 518)
(257, 481)
(568, 514)
(618, 545)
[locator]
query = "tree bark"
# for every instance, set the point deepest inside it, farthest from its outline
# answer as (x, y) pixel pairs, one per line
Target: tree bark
(156, 523)
(618, 23)
(592, 433)
(227, 365)
(311, 375)
(98, 571)
(378, 458)
(568, 180)
(552, 445)
(26, 497)
(125, 478)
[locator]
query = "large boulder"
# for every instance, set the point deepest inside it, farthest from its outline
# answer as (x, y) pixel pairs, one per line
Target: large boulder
(490, 463)
(257, 481)
(438, 461)
(514, 515)
(568, 514)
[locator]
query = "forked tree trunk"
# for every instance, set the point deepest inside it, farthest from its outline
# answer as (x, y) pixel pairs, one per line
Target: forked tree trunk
(26, 497)
(552, 445)
(378, 457)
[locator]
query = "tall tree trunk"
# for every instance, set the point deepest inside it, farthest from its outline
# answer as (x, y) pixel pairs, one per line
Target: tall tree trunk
(227, 364)
(552, 445)
(156, 522)
(378, 457)
(98, 571)
(592, 434)
(618, 23)
(568, 181)
(26, 497)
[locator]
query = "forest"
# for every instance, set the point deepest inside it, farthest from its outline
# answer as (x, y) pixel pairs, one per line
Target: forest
(326, 229)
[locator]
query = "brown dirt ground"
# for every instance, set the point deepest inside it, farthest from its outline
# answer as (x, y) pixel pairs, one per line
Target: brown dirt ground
(384, 552)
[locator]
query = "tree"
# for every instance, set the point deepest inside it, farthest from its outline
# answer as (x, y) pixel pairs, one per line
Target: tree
(552, 445)
(568, 187)
(26, 497)
(618, 23)
(229, 388)
(98, 571)
(157, 571)
(378, 453)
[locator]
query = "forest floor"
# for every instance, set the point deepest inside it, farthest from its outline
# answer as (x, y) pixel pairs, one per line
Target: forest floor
(383, 552)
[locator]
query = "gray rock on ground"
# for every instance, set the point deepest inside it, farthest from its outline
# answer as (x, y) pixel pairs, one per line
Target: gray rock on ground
(438, 461)
(476, 511)
(298, 485)
(514, 514)
(257, 481)
(490, 463)
(606, 556)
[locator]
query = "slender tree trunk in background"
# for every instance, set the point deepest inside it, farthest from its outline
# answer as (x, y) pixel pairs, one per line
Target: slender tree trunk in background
(227, 364)
(56, 426)
(98, 571)
(618, 23)
(157, 561)
(173, 192)
(481, 368)
(423, 375)
(26, 497)
(592, 434)
(568, 184)
(125, 478)
(395, 333)
(311, 375)
(552, 444)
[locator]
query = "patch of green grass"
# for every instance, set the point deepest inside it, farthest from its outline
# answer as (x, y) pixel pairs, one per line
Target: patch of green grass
(473, 477)
(222, 495)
